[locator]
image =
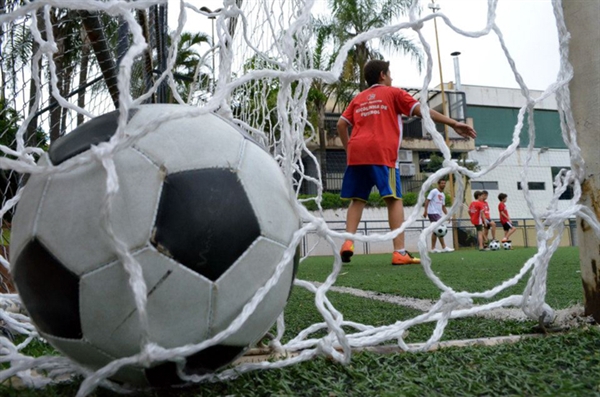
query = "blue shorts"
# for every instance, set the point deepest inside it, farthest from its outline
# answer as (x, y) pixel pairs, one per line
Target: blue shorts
(360, 179)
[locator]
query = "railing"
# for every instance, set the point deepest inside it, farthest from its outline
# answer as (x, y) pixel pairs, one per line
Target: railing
(525, 235)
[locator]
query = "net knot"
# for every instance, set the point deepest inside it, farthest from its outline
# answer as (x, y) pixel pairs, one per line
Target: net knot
(48, 47)
(450, 164)
(453, 299)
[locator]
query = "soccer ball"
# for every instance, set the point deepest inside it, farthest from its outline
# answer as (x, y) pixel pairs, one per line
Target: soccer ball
(494, 245)
(204, 210)
(507, 245)
(441, 230)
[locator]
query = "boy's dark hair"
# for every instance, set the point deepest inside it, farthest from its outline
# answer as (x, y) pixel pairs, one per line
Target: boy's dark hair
(502, 196)
(476, 194)
(484, 192)
(373, 69)
(441, 180)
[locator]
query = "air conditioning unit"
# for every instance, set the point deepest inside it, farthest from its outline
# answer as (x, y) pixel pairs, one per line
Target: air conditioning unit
(407, 169)
(405, 156)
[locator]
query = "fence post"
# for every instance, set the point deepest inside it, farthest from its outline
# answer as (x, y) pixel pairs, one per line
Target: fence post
(581, 18)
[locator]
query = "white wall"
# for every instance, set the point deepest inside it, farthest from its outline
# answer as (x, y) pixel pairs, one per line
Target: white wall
(509, 172)
(378, 220)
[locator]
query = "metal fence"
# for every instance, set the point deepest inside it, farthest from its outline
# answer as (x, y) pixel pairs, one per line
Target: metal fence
(525, 235)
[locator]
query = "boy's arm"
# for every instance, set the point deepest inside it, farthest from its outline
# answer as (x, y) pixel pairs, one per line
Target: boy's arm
(461, 129)
(342, 129)
(505, 215)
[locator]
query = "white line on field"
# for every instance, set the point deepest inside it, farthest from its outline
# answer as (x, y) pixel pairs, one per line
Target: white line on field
(563, 316)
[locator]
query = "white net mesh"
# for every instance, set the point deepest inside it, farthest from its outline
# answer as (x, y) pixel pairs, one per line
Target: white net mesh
(64, 62)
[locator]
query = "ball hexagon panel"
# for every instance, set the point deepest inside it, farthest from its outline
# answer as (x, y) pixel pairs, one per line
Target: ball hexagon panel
(178, 304)
(236, 287)
(49, 291)
(204, 220)
(269, 195)
(186, 146)
(82, 351)
(26, 215)
(71, 212)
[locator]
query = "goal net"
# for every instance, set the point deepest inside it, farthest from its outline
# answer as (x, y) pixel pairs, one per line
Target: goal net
(272, 70)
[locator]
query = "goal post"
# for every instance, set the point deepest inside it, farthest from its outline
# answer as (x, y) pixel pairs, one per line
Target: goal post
(581, 18)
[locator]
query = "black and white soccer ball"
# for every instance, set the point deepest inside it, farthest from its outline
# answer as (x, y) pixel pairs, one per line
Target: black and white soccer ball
(507, 245)
(494, 245)
(204, 210)
(441, 230)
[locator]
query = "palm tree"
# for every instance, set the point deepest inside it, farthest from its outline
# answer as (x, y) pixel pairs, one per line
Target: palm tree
(353, 17)
(189, 60)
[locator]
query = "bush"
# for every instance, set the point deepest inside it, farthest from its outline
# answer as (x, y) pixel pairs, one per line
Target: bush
(409, 199)
(329, 201)
(333, 201)
(375, 201)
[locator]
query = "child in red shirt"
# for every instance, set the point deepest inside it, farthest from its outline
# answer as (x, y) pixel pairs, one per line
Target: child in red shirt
(476, 211)
(372, 151)
(488, 223)
(507, 225)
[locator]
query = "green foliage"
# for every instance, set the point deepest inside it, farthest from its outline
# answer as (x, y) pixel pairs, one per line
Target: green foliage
(410, 199)
(332, 201)
(435, 163)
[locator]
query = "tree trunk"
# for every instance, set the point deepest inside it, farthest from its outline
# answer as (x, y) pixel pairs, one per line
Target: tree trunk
(58, 58)
(581, 18)
(83, 76)
(361, 55)
(148, 68)
(31, 137)
(95, 33)
(2, 76)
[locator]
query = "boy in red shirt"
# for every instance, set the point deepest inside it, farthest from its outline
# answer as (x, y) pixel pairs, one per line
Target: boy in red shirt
(507, 225)
(372, 151)
(476, 212)
(488, 223)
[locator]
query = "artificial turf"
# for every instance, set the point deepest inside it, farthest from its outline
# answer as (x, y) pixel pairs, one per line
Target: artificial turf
(563, 364)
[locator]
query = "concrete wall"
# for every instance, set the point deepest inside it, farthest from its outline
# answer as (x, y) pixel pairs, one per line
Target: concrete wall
(374, 221)
(508, 174)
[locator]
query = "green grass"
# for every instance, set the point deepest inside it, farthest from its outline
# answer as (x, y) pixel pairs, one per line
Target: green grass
(464, 270)
(561, 364)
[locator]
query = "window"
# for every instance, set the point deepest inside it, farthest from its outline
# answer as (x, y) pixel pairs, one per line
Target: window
(533, 185)
(487, 185)
(567, 194)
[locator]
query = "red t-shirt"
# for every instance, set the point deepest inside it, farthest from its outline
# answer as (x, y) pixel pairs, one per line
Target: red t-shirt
(501, 208)
(475, 212)
(375, 117)
(486, 210)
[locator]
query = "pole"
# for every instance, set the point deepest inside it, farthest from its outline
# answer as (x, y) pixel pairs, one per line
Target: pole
(434, 7)
(581, 18)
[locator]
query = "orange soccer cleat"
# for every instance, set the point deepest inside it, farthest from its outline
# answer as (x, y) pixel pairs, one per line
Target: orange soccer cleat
(407, 259)
(347, 251)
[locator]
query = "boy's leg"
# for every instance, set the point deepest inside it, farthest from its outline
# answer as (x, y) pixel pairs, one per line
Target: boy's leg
(395, 218)
(480, 234)
(433, 241)
(443, 243)
(493, 224)
(510, 232)
(355, 211)
(353, 217)
(355, 186)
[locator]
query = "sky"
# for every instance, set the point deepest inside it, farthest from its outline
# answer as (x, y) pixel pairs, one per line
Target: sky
(528, 27)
